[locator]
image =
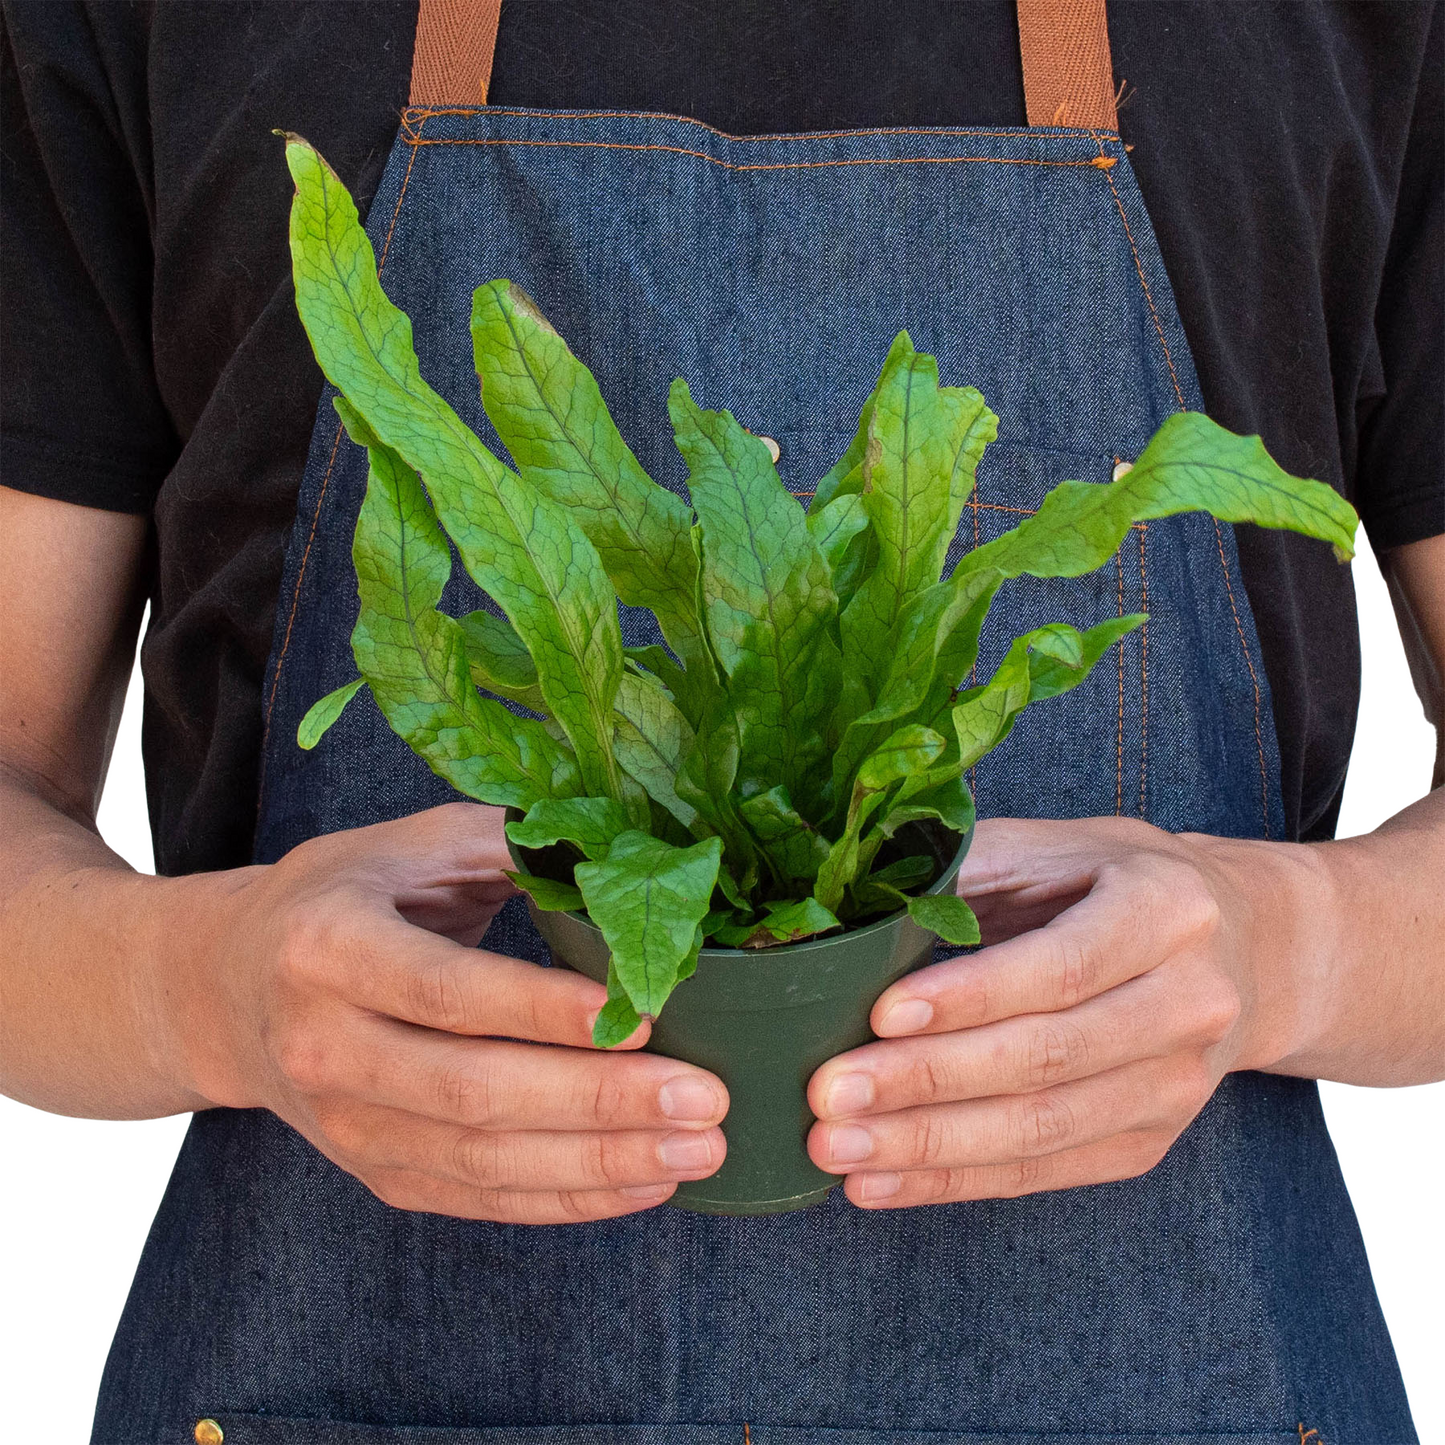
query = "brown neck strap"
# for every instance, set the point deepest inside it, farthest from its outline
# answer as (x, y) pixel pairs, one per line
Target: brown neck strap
(1068, 75)
(451, 63)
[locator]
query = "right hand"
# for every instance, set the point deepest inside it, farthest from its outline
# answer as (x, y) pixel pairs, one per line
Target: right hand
(342, 989)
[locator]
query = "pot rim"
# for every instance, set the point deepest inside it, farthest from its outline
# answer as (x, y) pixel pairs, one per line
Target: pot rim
(792, 950)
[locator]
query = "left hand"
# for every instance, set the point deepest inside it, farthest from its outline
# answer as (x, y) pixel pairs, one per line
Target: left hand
(1127, 970)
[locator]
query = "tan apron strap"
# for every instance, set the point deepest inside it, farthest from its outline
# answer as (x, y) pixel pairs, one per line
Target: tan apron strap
(1068, 74)
(451, 63)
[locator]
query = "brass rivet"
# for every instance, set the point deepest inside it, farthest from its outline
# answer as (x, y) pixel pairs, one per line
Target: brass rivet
(209, 1433)
(774, 450)
(1122, 468)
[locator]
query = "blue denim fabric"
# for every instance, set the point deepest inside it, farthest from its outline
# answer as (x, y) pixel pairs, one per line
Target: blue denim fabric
(1223, 1297)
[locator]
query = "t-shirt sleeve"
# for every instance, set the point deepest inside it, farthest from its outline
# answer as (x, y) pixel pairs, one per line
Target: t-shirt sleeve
(1400, 489)
(81, 416)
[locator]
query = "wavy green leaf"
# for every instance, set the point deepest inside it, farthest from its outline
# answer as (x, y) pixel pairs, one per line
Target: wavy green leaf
(736, 935)
(526, 551)
(548, 894)
(793, 845)
(845, 477)
(705, 782)
(973, 426)
(1041, 664)
(694, 690)
(767, 595)
(499, 659)
(946, 915)
(883, 889)
(835, 527)
(923, 447)
(618, 1020)
(649, 898)
(907, 872)
(910, 750)
(847, 543)
(943, 796)
(549, 413)
(590, 823)
(802, 918)
(652, 739)
(414, 658)
(1191, 464)
(322, 713)
(928, 654)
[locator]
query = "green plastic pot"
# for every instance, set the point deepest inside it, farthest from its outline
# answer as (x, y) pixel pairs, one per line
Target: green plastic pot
(763, 1020)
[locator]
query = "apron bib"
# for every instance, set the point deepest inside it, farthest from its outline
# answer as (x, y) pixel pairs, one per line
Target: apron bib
(1224, 1296)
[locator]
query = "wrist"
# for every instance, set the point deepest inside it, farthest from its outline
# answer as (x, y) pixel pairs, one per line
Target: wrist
(187, 1018)
(1281, 915)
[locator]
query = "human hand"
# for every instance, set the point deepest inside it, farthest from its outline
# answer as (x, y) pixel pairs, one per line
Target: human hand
(1126, 971)
(341, 988)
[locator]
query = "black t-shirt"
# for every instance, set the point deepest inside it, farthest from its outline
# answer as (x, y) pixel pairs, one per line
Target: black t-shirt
(1290, 156)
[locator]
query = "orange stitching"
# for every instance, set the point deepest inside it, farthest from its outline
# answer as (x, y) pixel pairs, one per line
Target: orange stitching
(975, 504)
(1119, 747)
(321, 495)
(1305, 1436)
(422, 113)
(1020, 512)
(386, 244)
(1148, 295)
(1144, 670)
(996, 507)
(1219, 536)
(747, 1434)
(767, 166)
(296, 595)
(1239, 629)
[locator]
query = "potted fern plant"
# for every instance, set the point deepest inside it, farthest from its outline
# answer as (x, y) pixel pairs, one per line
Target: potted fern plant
(765, 809)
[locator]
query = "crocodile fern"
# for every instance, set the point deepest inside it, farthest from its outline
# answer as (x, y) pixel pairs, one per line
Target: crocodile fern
(738, 784)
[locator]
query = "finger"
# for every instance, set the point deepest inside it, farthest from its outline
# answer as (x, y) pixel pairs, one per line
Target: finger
(497, 1084)
(1015, 879)
(462, 916)
(423, 1193)
(464, 840)
(1034, 856)
(1136, 915)
(1019, 874)
(442, 869)
(1153, 1016)
(1154, 1094)
(466, 883)
(379, 962)
(1124, 1157)
(375, 1137)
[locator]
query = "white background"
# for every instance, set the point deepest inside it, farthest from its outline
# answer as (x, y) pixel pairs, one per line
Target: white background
(77, 1196)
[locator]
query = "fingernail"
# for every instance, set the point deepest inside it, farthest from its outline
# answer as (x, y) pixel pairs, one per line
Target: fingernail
(849, 1094)
(647, 1191)
(873, 1187)
(847, 1144)
(907, 1017)
(688, 1097)
(685, 1153)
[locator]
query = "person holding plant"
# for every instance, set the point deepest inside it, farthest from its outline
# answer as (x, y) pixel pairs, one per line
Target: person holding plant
(1136, 1226)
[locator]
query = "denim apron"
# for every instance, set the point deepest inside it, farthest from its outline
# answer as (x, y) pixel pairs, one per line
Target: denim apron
(1222, 1297)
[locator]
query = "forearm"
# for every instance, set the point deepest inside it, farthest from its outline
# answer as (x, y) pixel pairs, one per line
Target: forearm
(1349, 951)
(83, 1019)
